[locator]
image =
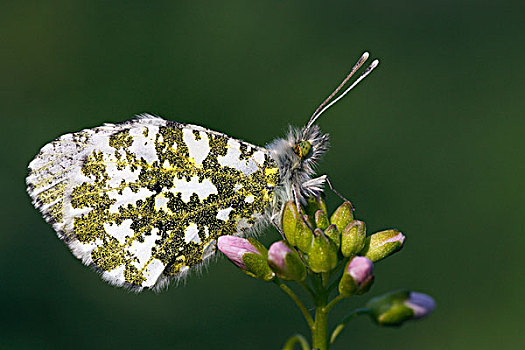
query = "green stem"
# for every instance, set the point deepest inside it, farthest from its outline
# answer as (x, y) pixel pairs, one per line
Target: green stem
(307, 288)
(290, 343)
(325, 278)
(297, 301)
(345, 320)
(320, 328)
(316, 281)
(333, 302)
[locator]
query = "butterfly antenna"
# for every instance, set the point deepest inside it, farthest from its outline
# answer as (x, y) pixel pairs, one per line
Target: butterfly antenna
(328, 102)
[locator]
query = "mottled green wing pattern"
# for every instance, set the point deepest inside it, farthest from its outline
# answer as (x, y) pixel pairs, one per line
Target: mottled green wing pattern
(145, 200)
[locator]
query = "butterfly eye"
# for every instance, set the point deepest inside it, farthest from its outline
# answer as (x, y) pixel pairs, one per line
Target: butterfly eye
(302, 148)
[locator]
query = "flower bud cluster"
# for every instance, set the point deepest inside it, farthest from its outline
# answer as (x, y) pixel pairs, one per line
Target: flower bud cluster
(324, 240)
(316, 242)
(319, 245)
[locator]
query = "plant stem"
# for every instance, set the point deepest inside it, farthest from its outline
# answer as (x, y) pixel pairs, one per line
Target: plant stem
(294, 340)
(325, 278)
(345, 320)
(319, 330)
(316, 281)
(333, 302)
(297, 301)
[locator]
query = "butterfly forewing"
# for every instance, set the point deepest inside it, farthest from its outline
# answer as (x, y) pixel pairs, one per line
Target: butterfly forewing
(145, 200)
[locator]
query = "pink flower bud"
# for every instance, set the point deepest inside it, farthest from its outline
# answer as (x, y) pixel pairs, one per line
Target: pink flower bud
(235, 247)
(277, 253)
(421, 304)
(357, 277)
(361, 269)
(285, 262)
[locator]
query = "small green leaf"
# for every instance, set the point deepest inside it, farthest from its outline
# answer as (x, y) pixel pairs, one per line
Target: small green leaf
(257, 266)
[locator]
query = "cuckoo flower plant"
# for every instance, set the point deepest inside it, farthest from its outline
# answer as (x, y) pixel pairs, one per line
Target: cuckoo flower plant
(332, 258)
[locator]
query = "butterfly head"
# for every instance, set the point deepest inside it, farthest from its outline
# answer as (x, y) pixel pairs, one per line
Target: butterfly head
(309, 145)
(302, 149)
(298, 154)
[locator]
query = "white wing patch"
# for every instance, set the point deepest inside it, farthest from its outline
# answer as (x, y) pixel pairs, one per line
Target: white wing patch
(232, 159)
(192, 234)
(197, 143)
(120, 232)
(224, 214)
(186, 188)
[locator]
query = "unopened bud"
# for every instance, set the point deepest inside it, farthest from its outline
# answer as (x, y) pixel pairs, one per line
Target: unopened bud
(332, 233)
(382, 244)
(342, 216)
(285, 262)
(248, 254)
(314, 204)
(321, 219)
(357, 277)
(353, 238)
(303, 236)
(322, 257)
(394, 308)
(421, 304)
(289, 221)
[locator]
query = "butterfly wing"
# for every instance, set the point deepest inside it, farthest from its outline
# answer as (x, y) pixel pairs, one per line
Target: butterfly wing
(145, 200)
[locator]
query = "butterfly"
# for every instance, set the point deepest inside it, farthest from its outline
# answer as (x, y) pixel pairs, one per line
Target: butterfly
(144, 201)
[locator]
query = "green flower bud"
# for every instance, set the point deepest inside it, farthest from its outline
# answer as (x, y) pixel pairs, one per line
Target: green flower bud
(353, 238)
(332, 233)
(314, 204)
(321, 219)
(289, 221)
(389, 309)
(342, 216)
(383, 244)
(303, 236)
(394, 308)
(322, 257)
(357, 277)
(285, 262)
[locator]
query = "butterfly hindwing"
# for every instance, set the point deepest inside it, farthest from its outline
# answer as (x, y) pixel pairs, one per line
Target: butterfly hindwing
(145, 200)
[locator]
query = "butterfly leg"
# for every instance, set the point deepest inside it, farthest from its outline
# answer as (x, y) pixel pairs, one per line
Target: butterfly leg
(329, 183)
(314, 187)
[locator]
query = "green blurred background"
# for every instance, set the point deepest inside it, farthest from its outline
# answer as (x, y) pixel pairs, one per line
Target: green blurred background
(431, 143)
